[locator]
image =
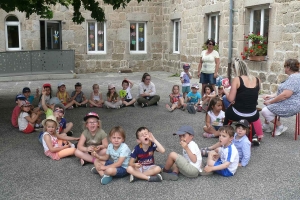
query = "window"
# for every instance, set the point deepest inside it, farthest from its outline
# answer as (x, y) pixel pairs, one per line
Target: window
(176, 36)
(50, 35)
(96, 37)
(213, 27)
(259, 21)
(12, 34)
(138, 37)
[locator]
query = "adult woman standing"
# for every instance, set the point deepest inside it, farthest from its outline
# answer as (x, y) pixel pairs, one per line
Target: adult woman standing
(147, 92)
(209, 65)
(286, 102)
(244, 92)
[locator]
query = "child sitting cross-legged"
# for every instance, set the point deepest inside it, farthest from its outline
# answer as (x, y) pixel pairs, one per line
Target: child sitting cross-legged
(241, 142)
(225, 159)
(141, 164)
(189, 164)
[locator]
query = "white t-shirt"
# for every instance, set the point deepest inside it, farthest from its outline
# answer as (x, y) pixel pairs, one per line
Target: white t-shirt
(53, 140)
(186, 79)
(128, 93)
(231, 155)
(216, 120)
(147, 88)
(195, 150)
(208, 61)
(23, 123)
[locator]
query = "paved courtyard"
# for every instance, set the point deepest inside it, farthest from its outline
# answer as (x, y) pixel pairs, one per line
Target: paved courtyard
(26, 173)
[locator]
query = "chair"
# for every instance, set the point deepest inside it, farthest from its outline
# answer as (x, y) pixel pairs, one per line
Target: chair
(250, 135)
(297, 123)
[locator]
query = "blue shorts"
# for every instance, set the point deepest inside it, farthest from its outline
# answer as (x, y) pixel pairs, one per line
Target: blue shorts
(186, 89)
(121, 171)
(207, 78)
(217, 127)
(40, 137)
(223, 172)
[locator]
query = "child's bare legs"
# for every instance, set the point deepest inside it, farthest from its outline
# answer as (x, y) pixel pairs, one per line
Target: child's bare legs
(143, 175)
(70, 104)
(66, 152)
(86, 156)
(171, 163)
(84, 102)
(98, 163)
(94, 103)
(130, 102)
(184, 95)
(211, 130)
(212, 158)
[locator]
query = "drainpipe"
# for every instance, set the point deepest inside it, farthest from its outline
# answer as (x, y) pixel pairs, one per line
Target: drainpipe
(230, 39)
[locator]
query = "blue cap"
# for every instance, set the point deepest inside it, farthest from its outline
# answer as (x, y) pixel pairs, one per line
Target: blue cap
(21, 97)
(184, 129)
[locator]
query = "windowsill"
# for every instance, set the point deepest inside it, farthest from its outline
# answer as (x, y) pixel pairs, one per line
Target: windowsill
(96, 53)
(138, 52)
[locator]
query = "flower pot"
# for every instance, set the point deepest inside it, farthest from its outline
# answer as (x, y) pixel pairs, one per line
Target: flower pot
(256, 58)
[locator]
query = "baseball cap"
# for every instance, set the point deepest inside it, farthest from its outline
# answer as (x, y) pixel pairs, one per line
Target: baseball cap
(47, 85)
(26, 89)
(50, 118)
(77, 84)
(186, 66)
(25, 103)
(184, 129)
(54, 100)
(91, 114)
(243, 122)
(195, 86)
(110, 86)
(21, 97)
(60, 84)
(59, 105)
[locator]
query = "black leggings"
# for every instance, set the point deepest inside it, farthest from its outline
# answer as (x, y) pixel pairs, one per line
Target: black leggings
(230, 115)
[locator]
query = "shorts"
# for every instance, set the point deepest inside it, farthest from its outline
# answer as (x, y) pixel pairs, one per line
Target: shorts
(28, 129)
(41, 137)
(53, 156)
(223, 172)
(128, 100)
(146, 168)
(207, 78)
(186, 89)
(216, 127)
(121, 171)
(186, 168)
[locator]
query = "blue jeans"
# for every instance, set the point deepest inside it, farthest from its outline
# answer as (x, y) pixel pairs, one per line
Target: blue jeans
(121, 171)
(207, 78)
(225, 102)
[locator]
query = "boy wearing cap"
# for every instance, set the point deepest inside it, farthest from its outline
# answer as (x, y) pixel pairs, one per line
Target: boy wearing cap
(26, 92)
(241, 142)
(20, 98)
(185, 77)
(64, 96)
(225, 159)
(193, 99)
(189, 164)
(78, 96)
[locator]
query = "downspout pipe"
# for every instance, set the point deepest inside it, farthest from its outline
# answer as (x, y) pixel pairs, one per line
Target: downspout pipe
(230, 39)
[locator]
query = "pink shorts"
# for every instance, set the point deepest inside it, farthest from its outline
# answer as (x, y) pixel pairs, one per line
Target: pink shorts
(54, 156)
(28, 129)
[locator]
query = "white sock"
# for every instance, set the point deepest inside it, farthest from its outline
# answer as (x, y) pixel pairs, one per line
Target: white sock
(281, 126)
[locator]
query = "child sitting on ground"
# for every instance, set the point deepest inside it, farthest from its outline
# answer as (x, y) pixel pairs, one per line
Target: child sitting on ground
(48, 95)
(225, 159)
(125, 94)
(190, 163)
(96, 99)
(141, 164)
(209, 93)
(93, 138)
(241, 142)
(120, 154)
(48, 108)
(27, 118)
(185, 78)
(176, 99)
(214, 118)
(26, 92)
(20, 98)
(113, 100)
(193, 99)
(78, 96)
(54, 148)
(64, 96)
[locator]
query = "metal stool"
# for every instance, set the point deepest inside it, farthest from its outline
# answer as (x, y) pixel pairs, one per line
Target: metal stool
(297, 123)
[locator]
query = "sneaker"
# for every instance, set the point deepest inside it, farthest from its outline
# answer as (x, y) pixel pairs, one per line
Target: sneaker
(183, 107)
(208, 135)
(70, 133)
(169, 176)
(118, 107)
(107, 107)
(157, 178)
(37, 126)
(169, 108)
(266, 128)
(71, 107)
(204, 173)
(106, 180)
(132, 178)
(94, 170)
(156, 104)
(83, 105)
(144, 105)
(255, 141)
(280, 130)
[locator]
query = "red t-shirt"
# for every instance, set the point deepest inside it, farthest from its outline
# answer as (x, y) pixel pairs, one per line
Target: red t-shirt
(15, 115)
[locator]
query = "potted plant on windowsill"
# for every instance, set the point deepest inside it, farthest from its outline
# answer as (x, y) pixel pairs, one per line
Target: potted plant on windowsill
(258, 49)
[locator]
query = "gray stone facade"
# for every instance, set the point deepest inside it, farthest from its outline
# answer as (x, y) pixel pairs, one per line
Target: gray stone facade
(283, 40)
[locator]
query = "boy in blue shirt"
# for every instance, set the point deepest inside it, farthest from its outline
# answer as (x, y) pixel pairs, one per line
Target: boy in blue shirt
(193, 99)
(141, 163)
(185, 77)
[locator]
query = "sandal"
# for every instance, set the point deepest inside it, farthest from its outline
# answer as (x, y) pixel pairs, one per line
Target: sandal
(204, 151)
(169, 108)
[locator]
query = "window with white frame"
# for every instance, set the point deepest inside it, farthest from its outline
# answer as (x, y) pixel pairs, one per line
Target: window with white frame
(96, 37)
(213, 27)
(259, 21)
(176, 36)
(138, 37)
(12, 34)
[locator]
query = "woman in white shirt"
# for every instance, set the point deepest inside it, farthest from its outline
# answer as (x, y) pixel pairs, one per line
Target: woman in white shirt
(147, 92)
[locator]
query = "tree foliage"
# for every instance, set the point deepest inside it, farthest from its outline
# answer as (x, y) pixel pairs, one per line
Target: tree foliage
(43, 7)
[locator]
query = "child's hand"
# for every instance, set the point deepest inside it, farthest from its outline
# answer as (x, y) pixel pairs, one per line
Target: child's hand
(91, 148)
(137, 165)
(44, 91)
(97, 148)
(240, 165)
(151, 137)
(208, 168)
(94, 154)
(102, 167)
(183, 144)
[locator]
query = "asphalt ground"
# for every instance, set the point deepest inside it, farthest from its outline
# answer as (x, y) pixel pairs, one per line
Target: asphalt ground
(26, 173)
